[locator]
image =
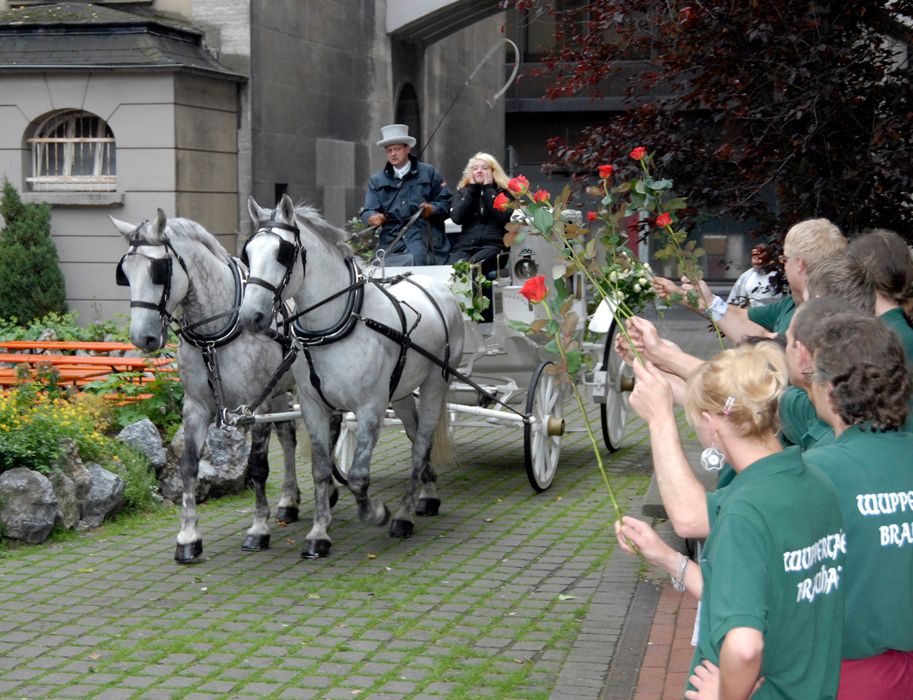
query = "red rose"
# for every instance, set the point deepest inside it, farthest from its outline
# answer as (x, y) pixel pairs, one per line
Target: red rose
(540, 196)
(518, 184)
(501, 202)
(534, 289)
(605, 171)
(663, 220)
(638, 153)
(591, 216)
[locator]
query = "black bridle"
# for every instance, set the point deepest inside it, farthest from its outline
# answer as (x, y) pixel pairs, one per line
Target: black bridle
(161, 273)
(285, 256)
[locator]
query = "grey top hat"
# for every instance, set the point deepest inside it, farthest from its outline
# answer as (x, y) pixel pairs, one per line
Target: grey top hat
(395, 133)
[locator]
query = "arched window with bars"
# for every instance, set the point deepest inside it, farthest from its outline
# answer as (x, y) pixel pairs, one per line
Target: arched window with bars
(73, 151)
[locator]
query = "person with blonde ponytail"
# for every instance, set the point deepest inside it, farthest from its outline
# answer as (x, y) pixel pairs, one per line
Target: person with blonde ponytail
(770, 573)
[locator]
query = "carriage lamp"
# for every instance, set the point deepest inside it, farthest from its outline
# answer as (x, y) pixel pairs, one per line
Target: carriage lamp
(525, 268)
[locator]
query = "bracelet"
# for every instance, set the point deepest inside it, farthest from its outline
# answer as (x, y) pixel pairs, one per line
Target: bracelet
(717, 308)
(678, 582)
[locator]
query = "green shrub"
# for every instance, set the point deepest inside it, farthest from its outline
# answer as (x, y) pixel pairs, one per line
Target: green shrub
(140, 483)
(162, 406)
(65, 327)
(34, 418)
(31, 283)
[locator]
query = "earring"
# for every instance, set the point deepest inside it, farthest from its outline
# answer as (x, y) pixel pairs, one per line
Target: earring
(712, 459)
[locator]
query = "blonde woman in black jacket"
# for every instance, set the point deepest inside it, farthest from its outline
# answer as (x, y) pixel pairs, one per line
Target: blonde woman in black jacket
(482, 237)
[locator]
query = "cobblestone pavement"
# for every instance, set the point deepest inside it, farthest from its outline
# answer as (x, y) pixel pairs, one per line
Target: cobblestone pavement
(506, 594)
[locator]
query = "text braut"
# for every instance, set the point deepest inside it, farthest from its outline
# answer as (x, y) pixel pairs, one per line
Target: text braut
(822, 583)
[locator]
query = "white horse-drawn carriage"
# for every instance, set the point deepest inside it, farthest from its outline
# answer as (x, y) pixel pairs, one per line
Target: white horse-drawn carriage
(517, 389)
(363, 346)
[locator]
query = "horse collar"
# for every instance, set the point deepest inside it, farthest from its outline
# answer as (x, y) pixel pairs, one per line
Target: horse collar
(355, 294)
(232, 328)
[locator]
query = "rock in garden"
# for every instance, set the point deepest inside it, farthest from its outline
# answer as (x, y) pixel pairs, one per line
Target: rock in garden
(28, 507)
(222, 470)
(227, 450)
(105, 498)
(144, 437)
(68, 509)
(70, 464)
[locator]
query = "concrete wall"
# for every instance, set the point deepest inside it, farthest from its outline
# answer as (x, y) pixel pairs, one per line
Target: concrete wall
(312, 81)
(206, 155)
(471, 125)
(175, 147)
(227, 27)
(324, 80)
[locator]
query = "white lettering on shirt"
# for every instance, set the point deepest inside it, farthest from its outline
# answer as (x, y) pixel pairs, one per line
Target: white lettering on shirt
(896, 535)
(828, 547)
(822, 583)
(870, 504)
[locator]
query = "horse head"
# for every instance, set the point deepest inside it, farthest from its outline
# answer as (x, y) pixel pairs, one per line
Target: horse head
(275, 259)
(157, 285)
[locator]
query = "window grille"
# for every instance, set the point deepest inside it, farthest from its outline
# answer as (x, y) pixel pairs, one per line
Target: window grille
(73, 152)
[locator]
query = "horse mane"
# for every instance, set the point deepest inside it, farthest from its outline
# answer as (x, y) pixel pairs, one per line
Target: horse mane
(316, 223)
(189, 229)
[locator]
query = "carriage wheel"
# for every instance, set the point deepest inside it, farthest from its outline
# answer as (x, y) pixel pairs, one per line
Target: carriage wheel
(619, 384)
(542, 440)
(343, 452)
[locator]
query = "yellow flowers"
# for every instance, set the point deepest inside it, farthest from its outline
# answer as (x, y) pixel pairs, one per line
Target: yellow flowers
(32, 423)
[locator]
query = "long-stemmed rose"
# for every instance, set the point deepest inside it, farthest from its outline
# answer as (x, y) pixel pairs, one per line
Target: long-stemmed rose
(563, 344)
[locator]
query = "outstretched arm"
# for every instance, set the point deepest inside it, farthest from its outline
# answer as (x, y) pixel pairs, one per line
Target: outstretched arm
(663, 353)
(682, 494)
(732, 320)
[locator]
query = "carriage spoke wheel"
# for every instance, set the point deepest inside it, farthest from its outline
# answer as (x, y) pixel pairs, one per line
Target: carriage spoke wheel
(343, 452)
(613, 413)
(542, 437)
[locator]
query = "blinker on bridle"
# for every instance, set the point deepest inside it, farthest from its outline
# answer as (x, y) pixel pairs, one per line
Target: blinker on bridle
(285, 256)
(161, 271)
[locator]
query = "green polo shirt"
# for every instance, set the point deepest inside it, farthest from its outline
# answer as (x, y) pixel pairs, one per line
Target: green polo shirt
(774, 317)
(799, 424)
(873, 476)
(773, 562)
(896, 319)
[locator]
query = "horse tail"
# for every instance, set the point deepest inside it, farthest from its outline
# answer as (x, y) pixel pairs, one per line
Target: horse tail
(442, 452)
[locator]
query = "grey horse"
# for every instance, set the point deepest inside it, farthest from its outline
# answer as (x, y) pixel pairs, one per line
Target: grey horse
(367, 346)
(175, 263)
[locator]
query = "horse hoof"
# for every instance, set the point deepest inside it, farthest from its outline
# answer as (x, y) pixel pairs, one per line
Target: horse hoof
(386, 517)
(287, 514)
(428, 506)
(255, 543)
(186, 553)
(315, 549)
(334, 497)
(402, 529)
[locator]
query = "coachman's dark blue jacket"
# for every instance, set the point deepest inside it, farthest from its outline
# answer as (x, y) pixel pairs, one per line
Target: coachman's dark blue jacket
(425, 239)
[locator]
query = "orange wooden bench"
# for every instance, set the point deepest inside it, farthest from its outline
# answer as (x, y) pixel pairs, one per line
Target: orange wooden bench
(71, 369)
